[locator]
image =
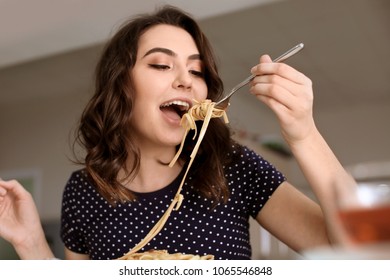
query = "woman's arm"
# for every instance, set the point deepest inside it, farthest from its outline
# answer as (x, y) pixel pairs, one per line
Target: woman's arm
(294, 219)
(70, 255)
(289, 94)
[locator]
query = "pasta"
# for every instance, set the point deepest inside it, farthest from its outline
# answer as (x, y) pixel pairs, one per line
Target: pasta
(164, 255)
(204, 110)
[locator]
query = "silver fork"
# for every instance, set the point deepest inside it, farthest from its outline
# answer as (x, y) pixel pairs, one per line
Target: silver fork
(224, 102)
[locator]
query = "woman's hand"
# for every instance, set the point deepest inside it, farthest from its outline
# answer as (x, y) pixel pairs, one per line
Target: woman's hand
(289, 94)
(20, 223)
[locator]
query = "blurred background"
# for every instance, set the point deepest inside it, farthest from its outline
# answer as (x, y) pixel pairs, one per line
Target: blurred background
(49, 48)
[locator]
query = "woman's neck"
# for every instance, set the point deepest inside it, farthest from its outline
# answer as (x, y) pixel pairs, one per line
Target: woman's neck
(154, 172)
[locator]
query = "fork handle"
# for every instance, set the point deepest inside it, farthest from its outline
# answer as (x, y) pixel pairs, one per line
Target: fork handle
(289, 53)
(280, 58)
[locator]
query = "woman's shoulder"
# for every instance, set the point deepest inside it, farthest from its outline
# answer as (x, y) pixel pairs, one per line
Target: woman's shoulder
(244, 156)
(79, 174)
(242, 152)
(78, 179)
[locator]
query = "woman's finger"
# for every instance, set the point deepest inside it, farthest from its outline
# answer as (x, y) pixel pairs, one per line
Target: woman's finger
(267, 67)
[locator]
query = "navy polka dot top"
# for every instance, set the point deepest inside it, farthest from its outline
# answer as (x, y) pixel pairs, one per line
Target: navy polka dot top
(90, 225)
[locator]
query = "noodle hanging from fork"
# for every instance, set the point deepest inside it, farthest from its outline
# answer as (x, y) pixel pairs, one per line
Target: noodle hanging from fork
(204, 110)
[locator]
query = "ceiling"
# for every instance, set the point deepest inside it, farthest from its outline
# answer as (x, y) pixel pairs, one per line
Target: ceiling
(46, 44)
(31, 29)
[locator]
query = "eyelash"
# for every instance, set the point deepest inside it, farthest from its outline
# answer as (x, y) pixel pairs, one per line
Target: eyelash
(197, 73)
(166, 67)
(159, 66)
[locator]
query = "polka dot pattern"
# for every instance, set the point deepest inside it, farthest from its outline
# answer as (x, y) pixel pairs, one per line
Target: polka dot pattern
(92, 226)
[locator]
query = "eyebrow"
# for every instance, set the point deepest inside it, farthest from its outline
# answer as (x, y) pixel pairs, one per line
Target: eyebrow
(171, 53)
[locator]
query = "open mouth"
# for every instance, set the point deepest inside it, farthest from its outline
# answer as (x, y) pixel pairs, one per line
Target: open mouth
(175, 109)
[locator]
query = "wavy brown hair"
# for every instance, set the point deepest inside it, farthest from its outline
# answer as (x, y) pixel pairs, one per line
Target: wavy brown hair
(104, 131)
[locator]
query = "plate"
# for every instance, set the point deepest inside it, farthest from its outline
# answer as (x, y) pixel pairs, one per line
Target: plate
(378, 251)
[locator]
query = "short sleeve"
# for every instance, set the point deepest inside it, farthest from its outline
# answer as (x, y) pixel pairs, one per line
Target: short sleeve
(71, 214)
(262, 180)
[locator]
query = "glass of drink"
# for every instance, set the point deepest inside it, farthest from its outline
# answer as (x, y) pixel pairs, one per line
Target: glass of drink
(361, 224)
(364, 213)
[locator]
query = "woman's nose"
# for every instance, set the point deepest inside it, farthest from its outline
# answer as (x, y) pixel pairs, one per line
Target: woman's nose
(183, 80)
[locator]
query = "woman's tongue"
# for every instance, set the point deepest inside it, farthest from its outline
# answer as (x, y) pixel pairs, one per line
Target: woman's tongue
(171, 113)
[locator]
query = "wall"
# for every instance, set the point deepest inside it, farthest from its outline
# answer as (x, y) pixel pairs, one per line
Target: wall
(34, 136)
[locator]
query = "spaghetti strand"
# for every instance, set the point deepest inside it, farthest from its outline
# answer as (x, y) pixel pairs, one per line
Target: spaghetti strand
(205, 111)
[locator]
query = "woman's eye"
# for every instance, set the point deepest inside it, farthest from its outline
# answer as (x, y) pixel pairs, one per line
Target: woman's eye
(159, 66)
(197, 73)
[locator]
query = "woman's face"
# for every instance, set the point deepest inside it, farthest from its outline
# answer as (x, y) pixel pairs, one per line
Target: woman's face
(167, 77)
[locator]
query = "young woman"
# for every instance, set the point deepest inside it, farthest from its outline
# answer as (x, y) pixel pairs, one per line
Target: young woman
(149, 75)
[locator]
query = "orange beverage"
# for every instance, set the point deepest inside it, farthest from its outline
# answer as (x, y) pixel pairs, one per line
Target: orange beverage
(367, 225)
